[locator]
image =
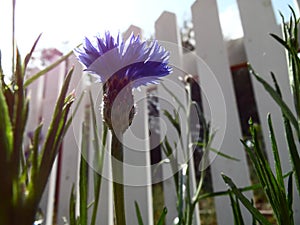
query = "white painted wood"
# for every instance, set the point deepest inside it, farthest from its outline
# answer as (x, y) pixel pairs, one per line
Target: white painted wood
(52, 85)
(137, 176)
(51, 193)
(297, 3)
(35, 93)
(71, 143)
(219, 104)
(137, 31)
(189, 63)
(236, 51)
(265, 55)
(105, 210)
(167, 33)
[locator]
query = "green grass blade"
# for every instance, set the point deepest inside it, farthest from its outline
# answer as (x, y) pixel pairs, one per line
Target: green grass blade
(24, 119)
(236, 210)
(18, 117)
(174, 122)
(290, 140)
(174, 97)
(83, 176)
(9, 96)
(167, 147)
(293, 152)
(281, 41)
(180, 197)
(245, 201)
(56, 120)
(200, 144)
(138, 213)
(290, 197)
(54, 136)
(69, 122)
(28, 56)
(277, 98)
(99, 157)
(274, 192)
(6, 131)
(161, 220)
(35, 154)
(6, 146)
(169, 152)
(279, 174)
(254, 221)
(264, 173)
(205, 125)
(224, 193)
(72, 207)
(47, 69)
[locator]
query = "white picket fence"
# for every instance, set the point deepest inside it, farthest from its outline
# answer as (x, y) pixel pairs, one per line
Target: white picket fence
(211, 61)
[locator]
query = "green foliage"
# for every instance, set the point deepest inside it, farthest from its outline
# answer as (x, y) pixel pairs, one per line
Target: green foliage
(99, 149)
(140, 219)
(83, 176)
(138, 214)
(25, 177)
(279, 196)
(238, 218)
(186, 200)
(246, 202)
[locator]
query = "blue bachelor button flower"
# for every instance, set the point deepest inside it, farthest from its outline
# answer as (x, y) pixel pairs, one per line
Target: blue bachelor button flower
(140, 63)
(122, 66)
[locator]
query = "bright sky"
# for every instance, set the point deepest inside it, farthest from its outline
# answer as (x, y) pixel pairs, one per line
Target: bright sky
(65, 22)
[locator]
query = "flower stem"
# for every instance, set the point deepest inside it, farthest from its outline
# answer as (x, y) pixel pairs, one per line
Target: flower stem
(117, 173)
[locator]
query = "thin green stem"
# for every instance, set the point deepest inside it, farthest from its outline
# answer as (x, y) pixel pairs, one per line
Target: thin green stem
(117, 173)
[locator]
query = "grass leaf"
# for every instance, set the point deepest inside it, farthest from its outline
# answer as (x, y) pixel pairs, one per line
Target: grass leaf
(19, 121)
(47, 69)
(245, 201)
(281, 41)
(6, 131)
(200, 144)
(6, 146)
(174, 96)
(54, 135)
(72, 207)
(99, 157)
(35, 153)
(83, 176)
(277, 98)
(174, 122)
(236, 210)
(28, 56)
(138, 213)
(293, 152)
(224, 193)
(290, 196)
(162, 217)
(279, 174)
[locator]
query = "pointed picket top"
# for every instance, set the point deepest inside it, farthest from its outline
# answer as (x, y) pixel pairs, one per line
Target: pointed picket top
(135, 30)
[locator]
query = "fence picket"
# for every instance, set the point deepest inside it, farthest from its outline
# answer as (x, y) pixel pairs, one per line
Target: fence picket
(265, 55)
(170, 39)
(53, 82)
(220, 104)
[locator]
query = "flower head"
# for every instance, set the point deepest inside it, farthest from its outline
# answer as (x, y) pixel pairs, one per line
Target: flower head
(134, 60)
(122, 66)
